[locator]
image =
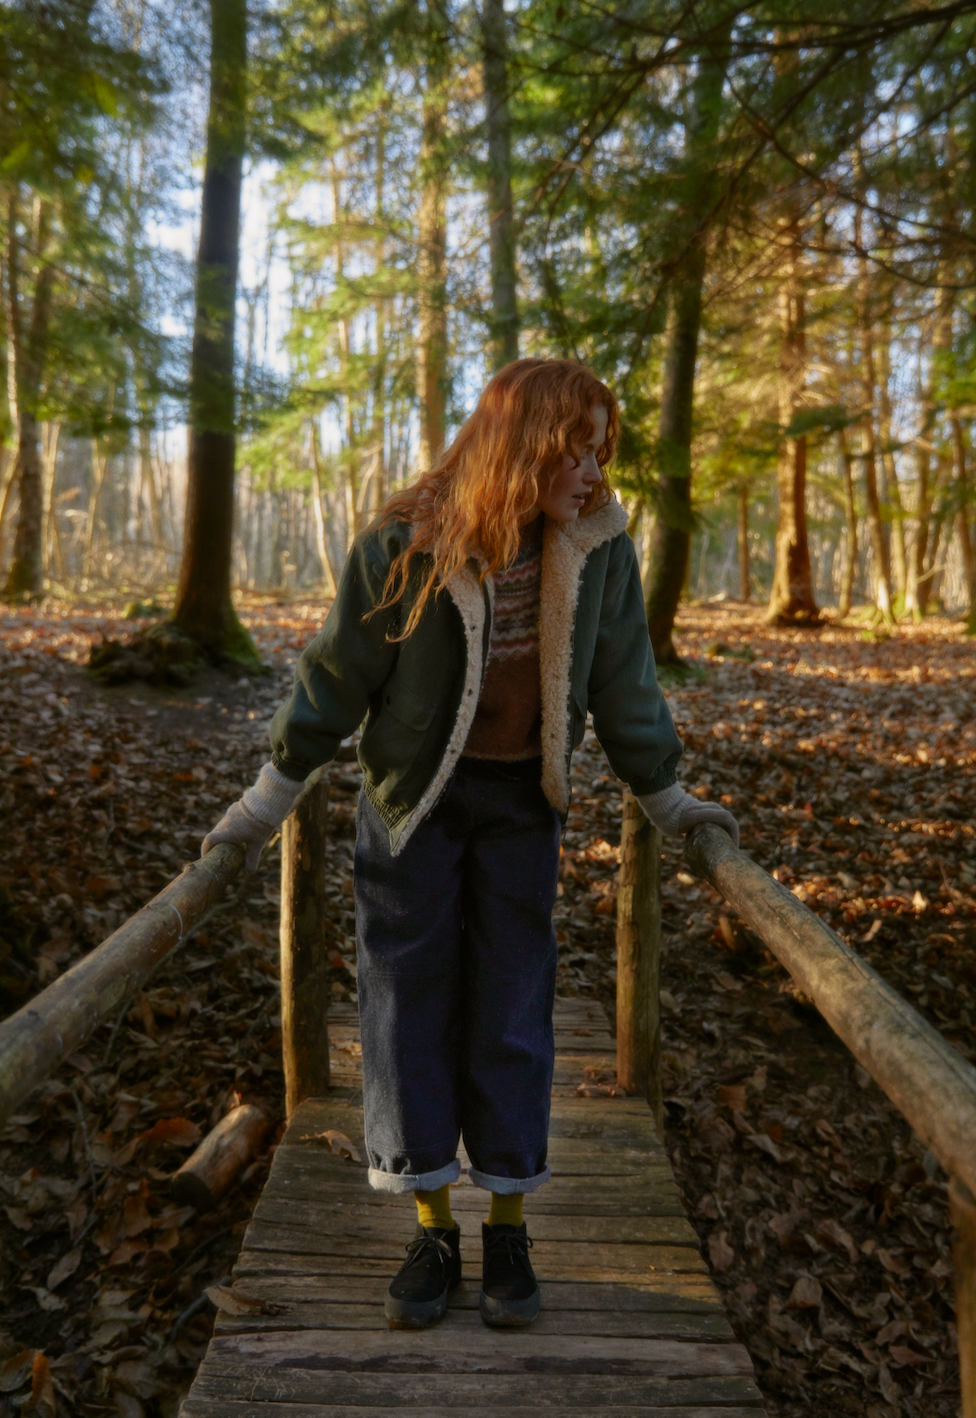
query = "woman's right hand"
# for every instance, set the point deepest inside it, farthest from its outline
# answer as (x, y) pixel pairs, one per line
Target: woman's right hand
(259, 812)
(237, 825)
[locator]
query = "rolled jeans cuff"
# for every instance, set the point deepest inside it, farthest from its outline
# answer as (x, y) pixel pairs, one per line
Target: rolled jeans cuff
(508, 1186)
(414, 1182)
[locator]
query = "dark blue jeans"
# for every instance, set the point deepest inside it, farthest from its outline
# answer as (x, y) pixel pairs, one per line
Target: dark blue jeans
(456, 974)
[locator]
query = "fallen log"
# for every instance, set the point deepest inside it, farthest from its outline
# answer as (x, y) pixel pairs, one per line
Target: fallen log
(35, 1040)
(223, 1153)
(927, 1080)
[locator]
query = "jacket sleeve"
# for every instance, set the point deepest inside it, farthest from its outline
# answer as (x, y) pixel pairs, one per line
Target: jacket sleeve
(339, 672)
(630, 714)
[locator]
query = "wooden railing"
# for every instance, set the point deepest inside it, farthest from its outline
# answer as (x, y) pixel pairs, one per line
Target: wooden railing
(930, 1084)
(927, 1080)
(36, 1040)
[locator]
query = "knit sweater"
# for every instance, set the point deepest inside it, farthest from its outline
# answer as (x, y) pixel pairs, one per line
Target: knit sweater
(508, 720)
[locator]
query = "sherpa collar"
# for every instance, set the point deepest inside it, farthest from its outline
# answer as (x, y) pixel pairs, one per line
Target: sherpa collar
(565, 549)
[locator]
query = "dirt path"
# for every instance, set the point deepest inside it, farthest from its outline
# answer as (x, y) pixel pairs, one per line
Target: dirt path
(850, 764)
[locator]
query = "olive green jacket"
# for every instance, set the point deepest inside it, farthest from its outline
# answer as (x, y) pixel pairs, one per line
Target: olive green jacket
(418, 696)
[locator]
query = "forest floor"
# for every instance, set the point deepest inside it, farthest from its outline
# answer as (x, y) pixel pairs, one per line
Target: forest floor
(850, 762)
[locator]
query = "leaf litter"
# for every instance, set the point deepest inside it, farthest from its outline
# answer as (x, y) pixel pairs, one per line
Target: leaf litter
(850, 766)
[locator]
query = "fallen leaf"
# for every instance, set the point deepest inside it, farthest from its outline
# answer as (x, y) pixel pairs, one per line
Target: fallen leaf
(15, 1371)
(236, 1302)
(806, 1294)
(903, 1355)
(339, 1143)
(45, 1299)
(178, 1132)
(765, 1143)
(720, 1253)
(42, 1388)
(62, 1268)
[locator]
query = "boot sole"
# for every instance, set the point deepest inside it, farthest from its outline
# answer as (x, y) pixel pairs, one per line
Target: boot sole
(509, 1314)
(416, 1314)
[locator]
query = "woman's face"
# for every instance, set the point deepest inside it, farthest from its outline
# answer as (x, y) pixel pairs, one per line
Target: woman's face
(572, 483)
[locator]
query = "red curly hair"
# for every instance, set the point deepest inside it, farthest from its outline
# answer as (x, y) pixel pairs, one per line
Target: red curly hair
(477, 496)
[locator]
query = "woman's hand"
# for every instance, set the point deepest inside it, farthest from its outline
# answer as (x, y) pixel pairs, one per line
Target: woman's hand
(237, 825)
(260, 811)
(673, 810)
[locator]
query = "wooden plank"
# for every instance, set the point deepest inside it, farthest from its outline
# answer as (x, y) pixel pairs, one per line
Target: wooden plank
(484, 1351)
(463, 1315)
(590, 1261)
(429, 1390)
(229, 1409)
(280, 1277)
(328, 1219)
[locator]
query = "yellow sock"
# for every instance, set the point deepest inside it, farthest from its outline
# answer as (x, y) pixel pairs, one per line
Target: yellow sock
(434, 1208)
(506, 1209)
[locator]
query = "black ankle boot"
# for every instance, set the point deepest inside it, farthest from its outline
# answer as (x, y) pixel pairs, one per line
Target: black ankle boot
(418, 1292)
(509, 1289)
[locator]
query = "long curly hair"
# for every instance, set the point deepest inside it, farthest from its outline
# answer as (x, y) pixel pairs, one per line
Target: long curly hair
(475, 499)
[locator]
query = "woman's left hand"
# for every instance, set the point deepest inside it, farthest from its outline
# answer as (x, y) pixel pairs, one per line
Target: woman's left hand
(673, 810)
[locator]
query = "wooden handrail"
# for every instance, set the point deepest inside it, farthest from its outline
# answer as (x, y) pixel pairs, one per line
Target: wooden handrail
(930, 1084)
(927, 1080)
(35, 1040)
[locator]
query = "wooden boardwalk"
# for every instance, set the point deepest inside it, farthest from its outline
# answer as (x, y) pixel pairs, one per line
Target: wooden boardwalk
(630, 1322)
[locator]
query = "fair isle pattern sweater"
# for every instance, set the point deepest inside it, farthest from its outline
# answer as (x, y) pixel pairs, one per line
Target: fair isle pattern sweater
(508, 721)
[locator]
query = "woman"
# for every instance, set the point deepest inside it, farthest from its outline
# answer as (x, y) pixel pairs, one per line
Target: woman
(488, 609)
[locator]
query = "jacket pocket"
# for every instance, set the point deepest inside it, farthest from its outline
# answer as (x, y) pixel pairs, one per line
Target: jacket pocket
(408, 707)
(393, 740)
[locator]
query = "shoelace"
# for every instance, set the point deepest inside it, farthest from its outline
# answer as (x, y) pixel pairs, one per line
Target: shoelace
(516, 1246)
(417, 1245)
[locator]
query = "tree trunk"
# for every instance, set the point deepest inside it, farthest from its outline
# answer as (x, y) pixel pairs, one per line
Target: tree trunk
(742, 530)
(432, 243)
(850, 517)
(29, 351)
(791, 600)
(203, 601)
(865, 321)
(329, 572)
(899, 551)
(963, 498)
(504, 325)
(670, 536)
(926, 537)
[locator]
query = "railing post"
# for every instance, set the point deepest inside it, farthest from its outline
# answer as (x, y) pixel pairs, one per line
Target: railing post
(639, 958)
(305, 986)
(962, 1207)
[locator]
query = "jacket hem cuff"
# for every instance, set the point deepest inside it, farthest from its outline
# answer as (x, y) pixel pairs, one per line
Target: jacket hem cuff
(508, 1186)
(400, 1182)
